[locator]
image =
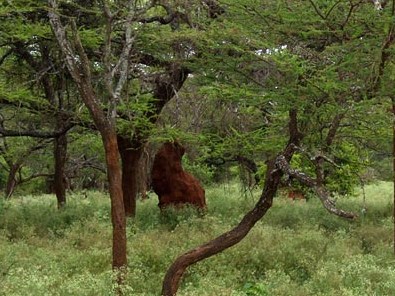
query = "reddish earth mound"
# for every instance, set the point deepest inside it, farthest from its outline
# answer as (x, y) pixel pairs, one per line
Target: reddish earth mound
(296, 195)
(171, 183)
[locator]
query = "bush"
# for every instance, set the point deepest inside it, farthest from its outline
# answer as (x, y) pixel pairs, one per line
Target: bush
(199, 170)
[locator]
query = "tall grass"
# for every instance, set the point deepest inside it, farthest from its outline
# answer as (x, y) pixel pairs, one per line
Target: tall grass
(297, 249)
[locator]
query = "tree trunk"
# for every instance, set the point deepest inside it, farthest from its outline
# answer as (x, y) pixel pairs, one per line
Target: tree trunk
(80, 72)
(11, 180)
(117, 207)
(130, 152)
(393, 167)
(60, 154)
(273, 176)
(175, 272)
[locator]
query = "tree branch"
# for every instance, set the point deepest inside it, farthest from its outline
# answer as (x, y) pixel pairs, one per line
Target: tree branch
(321, 191)
(36, 133)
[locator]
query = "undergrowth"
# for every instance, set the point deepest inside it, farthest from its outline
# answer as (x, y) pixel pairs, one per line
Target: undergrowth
(296, 249)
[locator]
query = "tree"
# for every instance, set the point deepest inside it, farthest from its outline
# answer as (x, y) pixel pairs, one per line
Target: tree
(307, 65)
(134, 81)
(31, 87)
(79, 68)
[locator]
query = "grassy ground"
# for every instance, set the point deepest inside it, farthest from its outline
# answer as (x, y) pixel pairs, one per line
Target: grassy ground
(297, 248)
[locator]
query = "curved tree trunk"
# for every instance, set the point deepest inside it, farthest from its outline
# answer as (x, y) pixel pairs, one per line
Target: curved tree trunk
(174, 274)
(130, 152)
(275, 170)
(60, 154)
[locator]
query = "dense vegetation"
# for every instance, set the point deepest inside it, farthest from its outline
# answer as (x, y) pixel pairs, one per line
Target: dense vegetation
(297, 249)
(293, 97)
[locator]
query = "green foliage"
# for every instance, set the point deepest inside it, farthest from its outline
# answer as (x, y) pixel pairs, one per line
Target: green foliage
(201, 171)
(255, 289)
(342, 176)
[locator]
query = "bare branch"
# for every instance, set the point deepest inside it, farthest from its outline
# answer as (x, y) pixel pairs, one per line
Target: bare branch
(7, 53)
(317, 10)
(34, 176)
(60, 33)
(36, 133)
(331, 9)
(164, 20)
(123, 64)
(321, 191)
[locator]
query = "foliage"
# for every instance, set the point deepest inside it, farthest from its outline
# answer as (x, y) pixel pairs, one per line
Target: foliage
(201, 171)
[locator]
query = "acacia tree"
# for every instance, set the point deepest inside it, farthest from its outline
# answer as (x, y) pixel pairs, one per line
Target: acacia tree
(79, 68)
(155, 69)
(34, 86)
(317, 70)
(124, 85)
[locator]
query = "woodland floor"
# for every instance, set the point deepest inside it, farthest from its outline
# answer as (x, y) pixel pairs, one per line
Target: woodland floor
(297, 249)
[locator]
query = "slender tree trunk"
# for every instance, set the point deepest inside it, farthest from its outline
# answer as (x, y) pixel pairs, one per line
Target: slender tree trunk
(60, 154)
(117, 207)
(130, 152)
(105, 123)
(393, 167)
(11, 180)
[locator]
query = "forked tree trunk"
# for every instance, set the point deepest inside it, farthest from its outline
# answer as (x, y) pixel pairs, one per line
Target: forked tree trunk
(60, 154)
(11, 180)
(130, 152)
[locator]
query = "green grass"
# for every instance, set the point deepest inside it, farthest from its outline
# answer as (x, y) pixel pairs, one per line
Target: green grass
(297, 249)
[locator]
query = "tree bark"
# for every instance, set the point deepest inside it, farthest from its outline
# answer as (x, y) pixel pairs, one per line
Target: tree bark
(393, 168)
(277, 166)
(130, 152)
(117, 208)
(60, 155)
(175, 272)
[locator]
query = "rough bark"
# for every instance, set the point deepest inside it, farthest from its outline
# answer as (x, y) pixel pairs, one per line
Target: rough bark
(117, 208)
(393, 169)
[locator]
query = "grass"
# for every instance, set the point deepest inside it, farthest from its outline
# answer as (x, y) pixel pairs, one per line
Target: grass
(297, 249)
